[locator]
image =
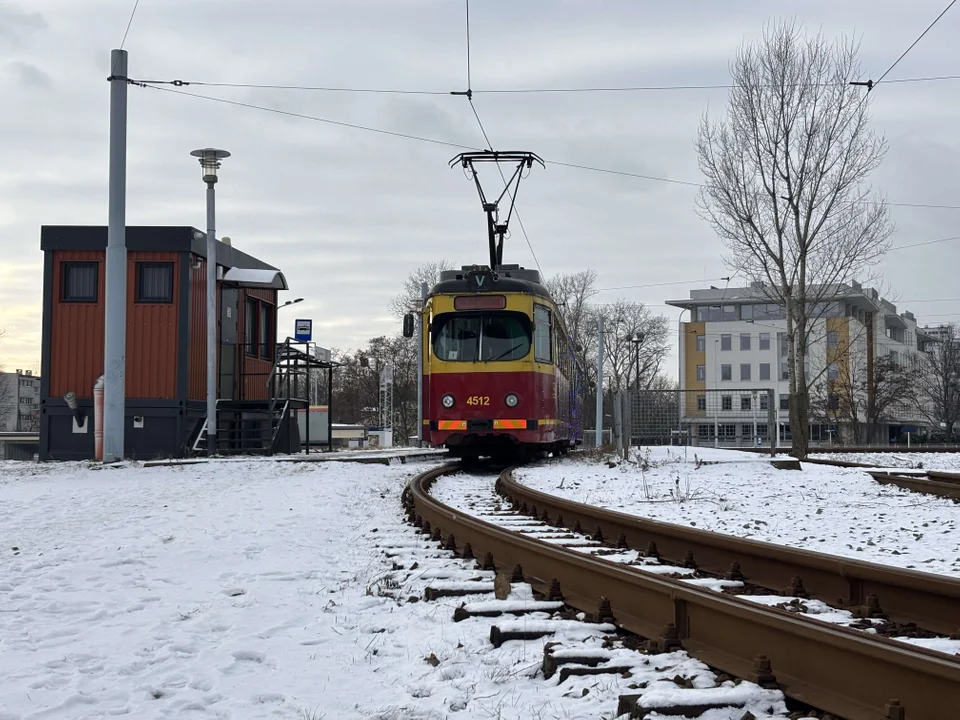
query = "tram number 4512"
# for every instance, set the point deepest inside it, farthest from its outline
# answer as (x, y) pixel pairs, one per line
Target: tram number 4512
(478, 400)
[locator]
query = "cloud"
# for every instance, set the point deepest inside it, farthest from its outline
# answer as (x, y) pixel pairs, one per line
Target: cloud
(16, 25)
(28, 75)
(347, 214)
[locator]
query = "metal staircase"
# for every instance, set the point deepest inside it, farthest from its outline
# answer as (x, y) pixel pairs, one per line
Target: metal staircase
(250, 427)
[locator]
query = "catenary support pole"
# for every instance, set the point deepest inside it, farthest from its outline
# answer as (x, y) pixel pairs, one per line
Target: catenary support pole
(212, 319)
(115, 298)
(599, 423)
(420, 334)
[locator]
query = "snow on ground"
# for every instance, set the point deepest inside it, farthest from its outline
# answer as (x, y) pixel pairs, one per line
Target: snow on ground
(926, 461)
(257, 589)
(831, 510)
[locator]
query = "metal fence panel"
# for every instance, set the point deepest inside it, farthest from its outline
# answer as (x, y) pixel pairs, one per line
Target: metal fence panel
(710, 418)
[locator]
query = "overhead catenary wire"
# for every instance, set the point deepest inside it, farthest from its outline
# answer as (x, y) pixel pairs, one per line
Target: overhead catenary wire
(436, 141)
(494, 91)
(913, 44)
(129, 23)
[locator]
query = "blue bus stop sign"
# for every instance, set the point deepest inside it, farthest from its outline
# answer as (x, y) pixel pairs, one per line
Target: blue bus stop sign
(303, 330)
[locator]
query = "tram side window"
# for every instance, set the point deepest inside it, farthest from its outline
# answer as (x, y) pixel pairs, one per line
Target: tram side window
(542, 334)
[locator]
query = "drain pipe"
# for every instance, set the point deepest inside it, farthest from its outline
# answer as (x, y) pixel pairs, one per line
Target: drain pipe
(98, 419)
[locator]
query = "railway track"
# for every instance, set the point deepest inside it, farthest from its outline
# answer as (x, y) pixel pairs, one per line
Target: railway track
(930, 482)
(845, 672)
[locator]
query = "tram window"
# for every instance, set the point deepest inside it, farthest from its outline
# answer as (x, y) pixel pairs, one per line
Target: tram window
(488, 337)
(542, 342)
(503, 338)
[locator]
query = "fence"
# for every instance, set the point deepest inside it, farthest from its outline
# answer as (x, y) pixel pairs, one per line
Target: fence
(708, 418)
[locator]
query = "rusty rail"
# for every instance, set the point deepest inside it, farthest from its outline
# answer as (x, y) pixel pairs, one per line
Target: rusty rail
(930, 601)
(843, 671)
(942, 484)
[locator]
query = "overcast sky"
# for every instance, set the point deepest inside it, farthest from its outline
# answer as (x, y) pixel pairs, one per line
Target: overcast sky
(346, 214)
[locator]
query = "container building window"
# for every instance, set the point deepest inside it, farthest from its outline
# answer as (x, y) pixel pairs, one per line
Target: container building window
(80, 282)
(155, 282)
(250, 327)
(266, 343)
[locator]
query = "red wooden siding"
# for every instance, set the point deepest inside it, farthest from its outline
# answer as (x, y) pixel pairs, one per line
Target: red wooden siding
(197, 383)
(76, 331)
(151, 334)
(255, 371)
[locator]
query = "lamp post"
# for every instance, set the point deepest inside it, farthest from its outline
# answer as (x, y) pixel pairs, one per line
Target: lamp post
(637, 341)
(290, 302)
(209, 164)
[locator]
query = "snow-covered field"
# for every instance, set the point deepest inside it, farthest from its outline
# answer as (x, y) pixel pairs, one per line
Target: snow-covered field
(827, 509)
(255, 589)
(926, 461)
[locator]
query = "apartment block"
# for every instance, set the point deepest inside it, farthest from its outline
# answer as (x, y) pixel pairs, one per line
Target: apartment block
(733, 348)
(19, 401)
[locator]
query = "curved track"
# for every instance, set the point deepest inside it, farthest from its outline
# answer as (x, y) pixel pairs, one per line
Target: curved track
(904, 596)
(846, 672)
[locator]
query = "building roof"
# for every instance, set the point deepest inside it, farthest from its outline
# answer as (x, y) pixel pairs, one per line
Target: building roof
(256, 278)
(146, 237)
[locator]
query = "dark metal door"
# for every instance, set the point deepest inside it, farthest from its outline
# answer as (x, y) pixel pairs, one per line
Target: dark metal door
(228, 343)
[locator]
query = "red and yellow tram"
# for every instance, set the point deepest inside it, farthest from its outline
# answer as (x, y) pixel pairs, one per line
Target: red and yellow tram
(500, 375)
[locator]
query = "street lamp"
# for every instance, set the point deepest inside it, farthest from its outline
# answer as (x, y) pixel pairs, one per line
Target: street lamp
(290, 302)
(637, 341)
(209, 164)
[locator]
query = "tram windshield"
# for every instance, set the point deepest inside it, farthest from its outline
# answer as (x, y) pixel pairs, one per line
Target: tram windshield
(483, 337)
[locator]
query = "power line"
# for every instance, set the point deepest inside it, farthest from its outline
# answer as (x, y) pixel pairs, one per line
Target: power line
(927, 242)
(664, 284)
(469, 90)
(315, 118)
(158, 85)
(129, 23)
(913, 44)
(493, 91)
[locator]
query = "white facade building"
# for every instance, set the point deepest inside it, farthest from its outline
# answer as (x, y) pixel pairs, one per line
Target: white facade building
(19, 401)
(733, 350)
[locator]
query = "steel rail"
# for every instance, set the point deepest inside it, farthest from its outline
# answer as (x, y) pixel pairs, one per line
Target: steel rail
(930, 601)
(932, 483)
(842, 671)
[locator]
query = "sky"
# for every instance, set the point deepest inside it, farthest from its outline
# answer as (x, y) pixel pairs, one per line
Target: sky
(348, 213)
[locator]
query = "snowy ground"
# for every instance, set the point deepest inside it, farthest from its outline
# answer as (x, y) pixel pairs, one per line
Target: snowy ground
(926, 461)
(827, 509)
(257, 589)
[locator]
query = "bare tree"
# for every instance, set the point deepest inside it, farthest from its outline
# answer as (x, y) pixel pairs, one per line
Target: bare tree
(786, 186)
(938, 396)
(862, 401)
(572, 293)
(409, 296)
(623, 321)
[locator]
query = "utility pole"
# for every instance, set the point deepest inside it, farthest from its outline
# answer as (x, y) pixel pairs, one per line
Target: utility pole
(115, 298)
(420, 334)
(599, 425)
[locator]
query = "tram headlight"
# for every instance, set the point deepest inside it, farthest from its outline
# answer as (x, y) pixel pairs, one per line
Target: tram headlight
(447, 401)
(512, 400)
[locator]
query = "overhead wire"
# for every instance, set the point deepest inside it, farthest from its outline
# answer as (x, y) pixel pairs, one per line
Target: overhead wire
(129, 23)
(469, 96)
(913, 44)
(496, 91)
